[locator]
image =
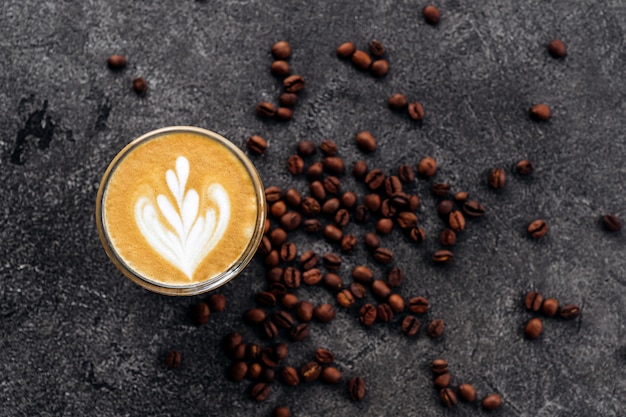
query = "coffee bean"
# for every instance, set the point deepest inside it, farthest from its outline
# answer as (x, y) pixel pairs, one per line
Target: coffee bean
(406, 173)
(497, 178)
(414, 202)
(444, 208)
(312, 276)
(288, 99)
(359, 170)
(300, 332)
(384, 226)
(374, 179)
(395, 277)
(116, 62)
(448, 398)
(280, 68)
(255, 316)
(295, 165)
(284, 113)
(442, 381)
(362, 274)
(273, 194)
(612, 223)
(281, 50)
(557, 48)
(256, 144)
(240, 352)
(524, 167)
(348, 199)
(461, 196)
(330, 206)
(372, 202)
(312, 225)
(361, 59)
(396, 302)
(280, 351)
(371, 240)
(380, 68)
(383, 255)
(260, 391)
(172, 359)
(348, 242)
(310, 371)
(431, 14)
(292, 277)
(332, 185)
(304, 311)
(439, 366)
(427, 167)
(447, 237)
(416, 110)
(367, 314)
(277, 237)
(407, 220)
(418, 305)
(333, 281)
(329, 147)
(272, 259)
(331, 375)
(289, 301)
(324, 356)
(345, 298)
(254, 371)
(288, 252)
(283, 319)
(474, 208)
(540, 112)
(492, 402)
(310, 206)
(140, 85)
(334, 165)
(231, 341)
(332, 233)
(435, 328)
(538, 229)
(356, 388)
(440, 189)
(200, 313)
(324, 313)
(397, 101)
(357, 290)
(366, 142)
(384, 313)
(467, 393)
(306, 148)
(278, 289)
(290, 376)
(550, 307)
(238, 371)
(380, 289)
(266, 227)
(533, 328)
(442, 256)
(278, 209)
(456, 220)
(293, 83)
(317, 190)
(533, 301)
(361, 214)
(417, 234)
(281, 412)
(265, 109)
(346, 49)
(410, 325)
(217, 303)
(393, 185)
(387, 210)
(377, 48)
(569, 312)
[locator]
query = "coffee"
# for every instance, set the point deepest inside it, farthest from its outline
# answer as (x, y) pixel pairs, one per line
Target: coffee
(181, 210)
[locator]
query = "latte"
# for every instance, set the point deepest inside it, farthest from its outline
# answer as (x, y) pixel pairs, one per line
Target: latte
(180, 210)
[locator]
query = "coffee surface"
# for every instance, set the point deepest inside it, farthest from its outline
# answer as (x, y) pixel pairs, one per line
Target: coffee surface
(180, 209)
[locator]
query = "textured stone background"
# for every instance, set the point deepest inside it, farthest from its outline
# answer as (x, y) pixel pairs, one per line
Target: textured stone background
(79, 339)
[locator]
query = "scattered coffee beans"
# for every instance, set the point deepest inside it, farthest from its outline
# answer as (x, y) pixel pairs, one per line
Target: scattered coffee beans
(533, 301)
(431, 14)
(538, 229)
(281, 50)
(140, 85)
(346, 49)
(117, 62)
(492, 402)
(356, 388)
(416, 110)
(361, 59)
(447, 397)
(533, 328)
(540, 112)
(557, 48)
(257, 145)
(397, 101)
(569, 311)
(467, 393)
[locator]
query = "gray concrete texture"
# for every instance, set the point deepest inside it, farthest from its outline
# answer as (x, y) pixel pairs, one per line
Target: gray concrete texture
(79, 339)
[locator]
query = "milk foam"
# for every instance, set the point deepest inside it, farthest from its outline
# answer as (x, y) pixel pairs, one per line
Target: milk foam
(188, 237)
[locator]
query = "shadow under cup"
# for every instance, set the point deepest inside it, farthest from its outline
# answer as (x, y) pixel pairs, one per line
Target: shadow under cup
(181, 210)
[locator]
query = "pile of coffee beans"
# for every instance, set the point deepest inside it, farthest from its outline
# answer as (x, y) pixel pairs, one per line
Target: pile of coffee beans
(375, 61)
(118, 63)
(549, 307)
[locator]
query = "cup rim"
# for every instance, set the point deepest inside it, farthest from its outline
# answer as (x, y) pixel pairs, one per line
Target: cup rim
(200, 287)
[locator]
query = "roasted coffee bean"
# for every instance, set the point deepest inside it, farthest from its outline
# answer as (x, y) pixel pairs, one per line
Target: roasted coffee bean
(383, 255)
(395, 277)
(427, 167)
(467, 393)
(116, 62)
(278, 236)
(380, 289)
(418, 305)
(346, 49)
(217, 303)
(524, 167)
(284, 113)
(140, 86)
(324, 313)
(448, 397)
(268, 375)
(367, 314)
(330, 206)
(309, 259)
(293, 83)
(550, 307)
(310, 371)
(304, 311)
(272, 259)
(439, 366)
(440, 189)
(332, 261)
(497, 178)
(300, 332)
(474, 208)
(288, 252)
(314, 171)
(538, 229)
(377, 48)
(540, 112)
(288, 99)
(289, 301)
(431, 14)
(384, 226)
(263, 109)
(266, 227)
(281, 50)
(363, 274)
(361, 59)
(417, 234)
(324, 356)
(393, 185)
(387, 209)
(240, 352)
(295, 165)
(435, 328)
(447, 237)
(256, 144)
(456, 220)
(533, 301)
(461, 196)
(312, 276)
(612, 223)
(406, 173)
(277, 289)
(290, 221)
(312, 225)
(254, 371)
(279, 68)
(200, 313)
(306, 148)
(260, 391)
(348, 199)
(397, 101)
(374, 179)
(348, 242)
(255, 316)
(569, 312)
(278, 209)
(442, 381)
(533, 328)
(293, 197)
(410, 325)
(345, 298)
(269, 330)
(380, 67)
(268, 358)
(384, 313)
(283, 319)
(332, 233)
(396, 302)
(492, 402)
(359, 170)
(442, 256)
(328, 147)
(372, 202)
(357, 290)
(317, 190)
(331, 375)
(356, 388)
(238, 371)
(332, 185)
(172, 359)
(333, 281)
(310, 206)
(407, 220)
(371, 240)
(366, 142)
(292, 277)
(361, 214)
(557, 48)
(334, 165)
(231, 341)
(416, 110)
(290, 376)
(280, 351)
(414, 202)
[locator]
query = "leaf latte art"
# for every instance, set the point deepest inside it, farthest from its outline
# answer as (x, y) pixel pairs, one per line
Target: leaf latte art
(187, 235)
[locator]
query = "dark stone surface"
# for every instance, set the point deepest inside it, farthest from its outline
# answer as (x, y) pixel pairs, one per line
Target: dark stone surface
(79, 339)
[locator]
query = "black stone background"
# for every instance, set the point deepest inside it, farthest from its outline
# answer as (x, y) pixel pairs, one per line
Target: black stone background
(78, 339)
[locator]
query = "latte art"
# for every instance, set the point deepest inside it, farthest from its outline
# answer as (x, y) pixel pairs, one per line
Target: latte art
(189, 236)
